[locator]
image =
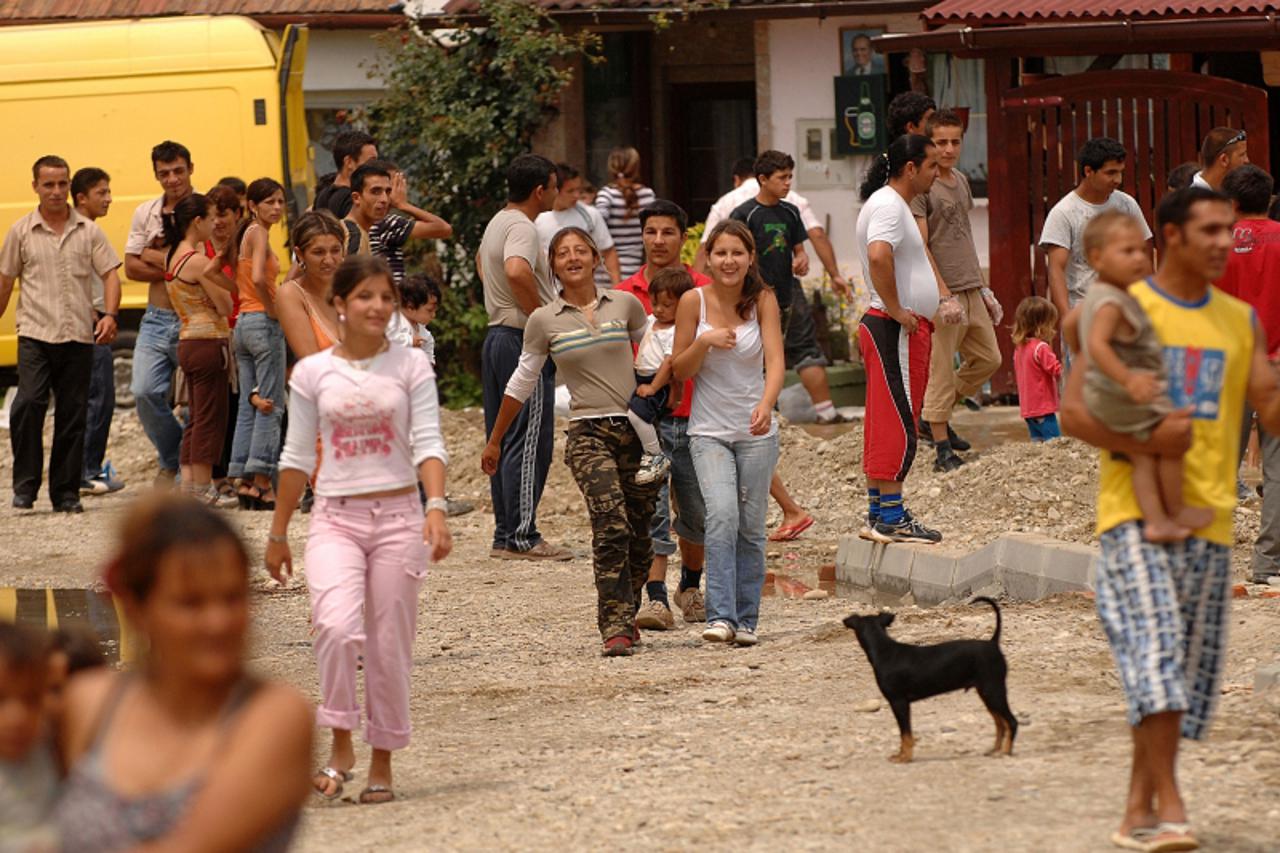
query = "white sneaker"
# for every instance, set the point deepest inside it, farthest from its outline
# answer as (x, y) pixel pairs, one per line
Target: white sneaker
(653, 467)
(718, 632)
(744, 637)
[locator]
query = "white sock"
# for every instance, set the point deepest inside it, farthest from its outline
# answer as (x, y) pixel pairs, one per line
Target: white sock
(826, 410)
(647, 432)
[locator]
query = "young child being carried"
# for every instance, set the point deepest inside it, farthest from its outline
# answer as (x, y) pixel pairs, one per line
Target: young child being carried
(653, 371)
(1125, 378)
(28, 769)
(1036, 366)
(419, 301)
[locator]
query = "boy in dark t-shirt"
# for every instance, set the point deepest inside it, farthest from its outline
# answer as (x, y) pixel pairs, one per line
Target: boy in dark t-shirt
(779, 233)
(776, 226)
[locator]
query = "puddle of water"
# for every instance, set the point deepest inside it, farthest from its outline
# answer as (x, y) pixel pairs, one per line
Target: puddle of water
(791, 584)
(97, 611)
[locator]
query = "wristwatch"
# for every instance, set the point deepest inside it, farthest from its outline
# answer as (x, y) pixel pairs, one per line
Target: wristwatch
(441, 504)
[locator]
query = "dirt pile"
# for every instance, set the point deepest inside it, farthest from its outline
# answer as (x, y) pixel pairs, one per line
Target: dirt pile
(1015, 487)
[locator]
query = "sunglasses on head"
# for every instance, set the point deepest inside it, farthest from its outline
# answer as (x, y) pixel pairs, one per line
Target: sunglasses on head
(1239, 137)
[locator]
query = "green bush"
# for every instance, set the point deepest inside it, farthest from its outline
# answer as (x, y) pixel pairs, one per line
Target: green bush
(458, 106)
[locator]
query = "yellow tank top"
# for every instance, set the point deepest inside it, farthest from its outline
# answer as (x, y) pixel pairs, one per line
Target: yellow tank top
(1208, 352)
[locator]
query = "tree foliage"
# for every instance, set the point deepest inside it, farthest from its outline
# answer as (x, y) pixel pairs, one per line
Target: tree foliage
(458, 106)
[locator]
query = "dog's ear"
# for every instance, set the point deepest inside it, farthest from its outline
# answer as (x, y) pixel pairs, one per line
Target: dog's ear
(885, 619)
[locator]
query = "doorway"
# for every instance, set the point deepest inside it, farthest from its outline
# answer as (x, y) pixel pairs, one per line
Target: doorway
(711, 126)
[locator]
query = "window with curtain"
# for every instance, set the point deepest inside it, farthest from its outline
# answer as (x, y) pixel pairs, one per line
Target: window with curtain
(955, 82)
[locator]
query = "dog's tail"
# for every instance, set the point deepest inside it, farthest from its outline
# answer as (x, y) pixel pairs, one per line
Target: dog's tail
(995, 638)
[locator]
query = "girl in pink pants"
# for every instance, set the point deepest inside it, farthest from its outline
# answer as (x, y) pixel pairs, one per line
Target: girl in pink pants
(374, 406)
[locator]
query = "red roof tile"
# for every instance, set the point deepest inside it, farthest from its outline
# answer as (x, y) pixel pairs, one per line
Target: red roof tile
(86, 10)
(814, 7)
(977, 13)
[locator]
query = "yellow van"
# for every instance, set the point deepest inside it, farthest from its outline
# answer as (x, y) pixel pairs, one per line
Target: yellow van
(103, 93)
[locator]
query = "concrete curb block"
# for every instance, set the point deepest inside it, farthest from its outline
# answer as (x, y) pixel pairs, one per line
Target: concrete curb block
(1022, 566)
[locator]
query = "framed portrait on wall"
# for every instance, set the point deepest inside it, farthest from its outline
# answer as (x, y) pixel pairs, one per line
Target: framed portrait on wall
(858, 57)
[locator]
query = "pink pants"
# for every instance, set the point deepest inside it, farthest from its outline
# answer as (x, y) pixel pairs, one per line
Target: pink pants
(365, 562)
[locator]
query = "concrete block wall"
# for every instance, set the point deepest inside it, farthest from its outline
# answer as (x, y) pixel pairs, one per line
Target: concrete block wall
(1022, 566)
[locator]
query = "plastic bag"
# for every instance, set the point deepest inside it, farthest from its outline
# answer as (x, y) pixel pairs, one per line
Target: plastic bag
(951, 312)
(993, 305)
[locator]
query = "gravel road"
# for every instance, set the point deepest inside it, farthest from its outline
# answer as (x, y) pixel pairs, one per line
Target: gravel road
(525, 738)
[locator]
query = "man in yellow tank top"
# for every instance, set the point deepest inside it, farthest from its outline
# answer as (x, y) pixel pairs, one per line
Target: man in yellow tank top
(1164, 606)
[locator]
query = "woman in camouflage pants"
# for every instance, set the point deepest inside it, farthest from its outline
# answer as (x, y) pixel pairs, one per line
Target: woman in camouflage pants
(589, 334)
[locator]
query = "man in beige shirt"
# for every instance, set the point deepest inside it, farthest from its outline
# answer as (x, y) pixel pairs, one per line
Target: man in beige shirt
(514, 271)
(56, 252)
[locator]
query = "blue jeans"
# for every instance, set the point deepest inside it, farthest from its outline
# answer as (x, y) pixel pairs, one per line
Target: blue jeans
(102, 405)
(1043, 428)
(155, 358)
(734, 478)
(260, 358)
(690, 512)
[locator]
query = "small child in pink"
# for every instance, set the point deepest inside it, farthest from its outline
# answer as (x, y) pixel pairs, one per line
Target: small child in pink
(1037, 367)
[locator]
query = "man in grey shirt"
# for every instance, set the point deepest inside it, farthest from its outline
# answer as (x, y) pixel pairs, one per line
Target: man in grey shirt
(517, 280)
(1102, 167)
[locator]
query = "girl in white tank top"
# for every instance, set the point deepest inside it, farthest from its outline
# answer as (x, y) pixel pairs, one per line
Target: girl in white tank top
(730, 381)
(733, 438)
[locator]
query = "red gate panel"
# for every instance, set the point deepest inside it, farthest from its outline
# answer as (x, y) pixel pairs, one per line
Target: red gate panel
(1160, 117)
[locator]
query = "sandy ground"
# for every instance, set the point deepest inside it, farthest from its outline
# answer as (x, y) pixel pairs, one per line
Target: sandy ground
(525, 738)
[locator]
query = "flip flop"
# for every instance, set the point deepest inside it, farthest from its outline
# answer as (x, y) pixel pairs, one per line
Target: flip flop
(366, 796)
(1137, 839)
(338, 777)
(1170, 837)
(791, 532)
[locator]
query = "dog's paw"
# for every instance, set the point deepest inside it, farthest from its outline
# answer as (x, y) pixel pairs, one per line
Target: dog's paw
(899, 758)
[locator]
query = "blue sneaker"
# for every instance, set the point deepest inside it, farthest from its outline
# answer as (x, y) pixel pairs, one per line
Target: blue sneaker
(104, 484)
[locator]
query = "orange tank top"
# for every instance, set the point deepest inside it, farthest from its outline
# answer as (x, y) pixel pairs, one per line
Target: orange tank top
(249, 301)
(319, 326)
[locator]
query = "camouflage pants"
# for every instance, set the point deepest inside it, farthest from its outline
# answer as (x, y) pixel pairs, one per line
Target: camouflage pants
(603, 454)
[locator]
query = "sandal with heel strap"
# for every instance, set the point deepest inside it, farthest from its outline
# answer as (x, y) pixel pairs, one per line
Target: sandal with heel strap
(337, 777)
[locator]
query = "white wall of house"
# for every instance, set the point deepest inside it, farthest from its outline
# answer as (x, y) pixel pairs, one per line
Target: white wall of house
(337, 62)
(795, 63)
(335, 82)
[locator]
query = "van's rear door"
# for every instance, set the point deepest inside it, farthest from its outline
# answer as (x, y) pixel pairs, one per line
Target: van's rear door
(295, 147)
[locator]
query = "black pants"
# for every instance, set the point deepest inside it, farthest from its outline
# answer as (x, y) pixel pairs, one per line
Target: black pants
(64, 369)
(102, 405)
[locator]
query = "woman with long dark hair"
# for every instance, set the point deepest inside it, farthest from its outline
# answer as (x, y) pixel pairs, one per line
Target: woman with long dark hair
(620, 202)
(307, 315)
(375, 409)
(589, 332)
(189, 751)
(259, 349)
(202, 305)
(729, 335)
(221, 248)
(895, 333)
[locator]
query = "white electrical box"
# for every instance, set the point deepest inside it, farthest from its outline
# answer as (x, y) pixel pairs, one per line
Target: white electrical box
(818, 166)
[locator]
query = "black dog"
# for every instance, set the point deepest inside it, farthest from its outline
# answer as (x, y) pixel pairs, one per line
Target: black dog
(906, 673)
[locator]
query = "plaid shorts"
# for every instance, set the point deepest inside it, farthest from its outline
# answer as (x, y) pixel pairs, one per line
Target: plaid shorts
(1164, 608)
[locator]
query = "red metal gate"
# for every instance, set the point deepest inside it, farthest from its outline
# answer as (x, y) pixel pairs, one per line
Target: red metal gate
(1159, 116)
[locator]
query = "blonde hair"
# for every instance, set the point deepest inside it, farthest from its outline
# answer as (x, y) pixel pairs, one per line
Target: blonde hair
(1036, 317)
(624, 169)
(1099, 229)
